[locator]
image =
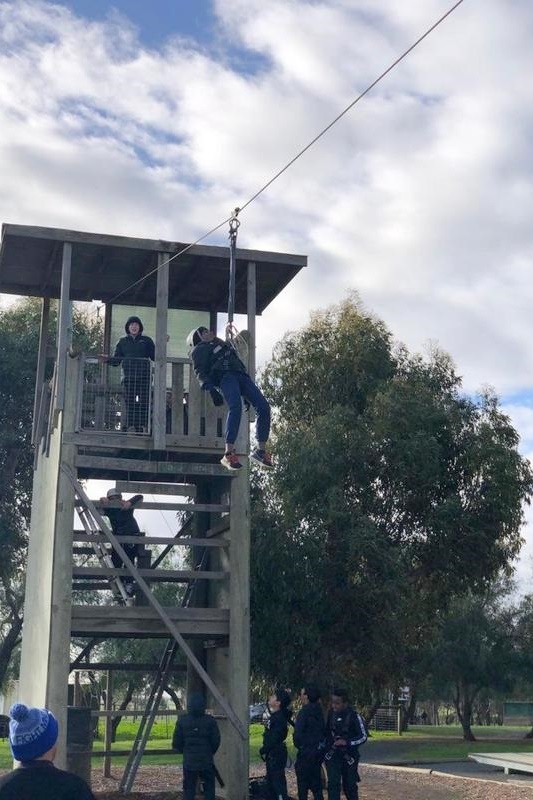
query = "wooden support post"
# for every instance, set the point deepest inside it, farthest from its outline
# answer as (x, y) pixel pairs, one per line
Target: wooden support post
(108, 724)
(77, 699)
(41, 365)
(160, 374)
(64, 335)
(107, 328)
(251, 305)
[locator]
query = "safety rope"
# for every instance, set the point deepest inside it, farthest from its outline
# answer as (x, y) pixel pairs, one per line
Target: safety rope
(233, 228)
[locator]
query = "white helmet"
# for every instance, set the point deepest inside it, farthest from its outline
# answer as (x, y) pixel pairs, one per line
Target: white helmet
(194, 336)
(114, 492)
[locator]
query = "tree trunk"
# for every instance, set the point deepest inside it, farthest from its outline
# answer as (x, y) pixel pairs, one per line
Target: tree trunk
(464, 712)
(174, 697)
(408, 714)
(11, 640)
(122, 707)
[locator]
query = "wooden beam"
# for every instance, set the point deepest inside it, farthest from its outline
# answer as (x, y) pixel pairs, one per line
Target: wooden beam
(251, 305)
(41, 365)
(158, 575)
(146, 487)
(181, 468)
(64, 324)
(175, 541)
(121, 666)
(209, 508)
(160, 372)
(141, 622)
(219, 527)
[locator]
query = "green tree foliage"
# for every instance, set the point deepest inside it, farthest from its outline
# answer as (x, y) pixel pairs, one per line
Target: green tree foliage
(475, 649)
(393, 491)
(19, 342)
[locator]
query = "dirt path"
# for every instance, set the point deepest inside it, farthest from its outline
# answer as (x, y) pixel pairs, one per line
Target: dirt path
(163, 783)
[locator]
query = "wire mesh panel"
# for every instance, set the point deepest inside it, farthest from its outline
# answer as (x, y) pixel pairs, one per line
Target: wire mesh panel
(385, 719)
(114, 398)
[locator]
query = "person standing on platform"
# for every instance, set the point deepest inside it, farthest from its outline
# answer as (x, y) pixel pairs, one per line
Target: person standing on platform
(345, 733)
(197, 736)
(134, 352)
(309, 740)
(32, 739)
(220, 370)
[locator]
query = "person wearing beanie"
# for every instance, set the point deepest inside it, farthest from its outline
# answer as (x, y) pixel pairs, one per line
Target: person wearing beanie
(220, 370)
(197, 736)
(134, 351)
(274, 749)
(309, 740)
(32, 739)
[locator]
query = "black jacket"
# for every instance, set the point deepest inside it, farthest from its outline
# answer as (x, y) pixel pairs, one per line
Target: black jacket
(276, 728)
(346, 724)
(196, 735)
(123, 522)
(309, 729)
(40, 780)
(212, 359)
(133, 351)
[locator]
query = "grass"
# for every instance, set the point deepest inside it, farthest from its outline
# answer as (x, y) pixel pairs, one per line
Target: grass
(420, 743)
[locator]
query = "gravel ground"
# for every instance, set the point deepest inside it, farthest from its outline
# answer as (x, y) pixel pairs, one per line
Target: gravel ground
(378, 783)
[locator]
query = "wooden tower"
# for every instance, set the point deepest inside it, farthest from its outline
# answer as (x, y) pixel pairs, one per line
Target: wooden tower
(79, 433)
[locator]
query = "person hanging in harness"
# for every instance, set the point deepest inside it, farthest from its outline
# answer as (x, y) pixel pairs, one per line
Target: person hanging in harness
(220, 370)
(134, 352)
(123, 523)
(345, 732)
(274, 749)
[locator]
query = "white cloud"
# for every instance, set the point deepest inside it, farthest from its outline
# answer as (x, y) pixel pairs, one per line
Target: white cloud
(420, 198)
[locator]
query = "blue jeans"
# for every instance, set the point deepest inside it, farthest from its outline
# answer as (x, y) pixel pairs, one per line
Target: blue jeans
(234, 386)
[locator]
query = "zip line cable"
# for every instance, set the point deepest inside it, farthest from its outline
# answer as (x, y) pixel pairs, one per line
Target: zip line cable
(352, 104)
(299, 154)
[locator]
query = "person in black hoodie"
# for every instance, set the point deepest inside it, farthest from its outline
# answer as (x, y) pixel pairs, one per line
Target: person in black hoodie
(274, 749)
(32, 739)
(345, 732)
(218, 367)
(134, 352)
(309, 738)
(197, 736)
(120, 514)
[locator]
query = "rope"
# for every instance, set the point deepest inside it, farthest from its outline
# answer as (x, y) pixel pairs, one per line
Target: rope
(233, 228)
(299, 154)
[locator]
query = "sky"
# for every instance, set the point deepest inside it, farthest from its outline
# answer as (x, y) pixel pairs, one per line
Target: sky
(155, 119)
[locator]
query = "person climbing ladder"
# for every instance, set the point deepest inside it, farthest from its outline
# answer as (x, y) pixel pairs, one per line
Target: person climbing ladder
(220, 370)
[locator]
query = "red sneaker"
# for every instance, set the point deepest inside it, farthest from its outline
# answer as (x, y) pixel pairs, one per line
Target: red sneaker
(231, 461)
(262, 458)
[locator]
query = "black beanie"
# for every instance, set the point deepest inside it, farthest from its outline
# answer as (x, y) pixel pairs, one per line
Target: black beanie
(134, 319)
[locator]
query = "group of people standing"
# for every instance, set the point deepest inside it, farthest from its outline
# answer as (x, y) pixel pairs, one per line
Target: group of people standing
(332, 740)
(220, 372)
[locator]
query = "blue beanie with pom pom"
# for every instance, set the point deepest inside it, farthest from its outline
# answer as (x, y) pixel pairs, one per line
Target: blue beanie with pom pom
(32, 732)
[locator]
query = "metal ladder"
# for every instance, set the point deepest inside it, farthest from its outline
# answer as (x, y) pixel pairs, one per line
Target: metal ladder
(156, 693)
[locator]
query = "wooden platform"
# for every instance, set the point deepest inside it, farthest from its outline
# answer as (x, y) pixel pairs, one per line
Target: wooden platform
(509, 762)
(143, 622)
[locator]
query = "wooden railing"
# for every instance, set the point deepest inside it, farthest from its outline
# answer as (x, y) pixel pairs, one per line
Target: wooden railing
(191, 420)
